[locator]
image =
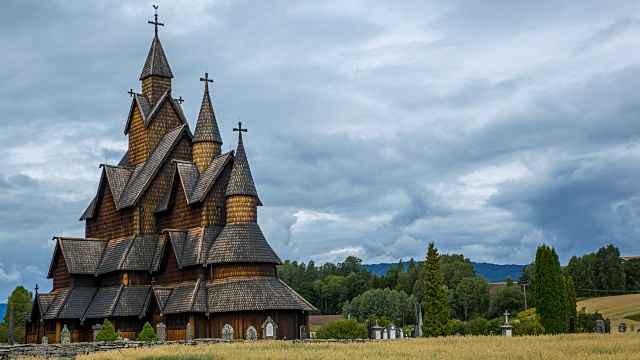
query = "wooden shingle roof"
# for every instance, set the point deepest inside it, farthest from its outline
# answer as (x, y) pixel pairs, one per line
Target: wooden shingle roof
(241, 243)
(191, 246)
(156, 63)
(207, 126)
(241, 181)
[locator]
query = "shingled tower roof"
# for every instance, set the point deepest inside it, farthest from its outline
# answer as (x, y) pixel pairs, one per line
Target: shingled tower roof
(156, 63)
(241, 181)
(207, 126)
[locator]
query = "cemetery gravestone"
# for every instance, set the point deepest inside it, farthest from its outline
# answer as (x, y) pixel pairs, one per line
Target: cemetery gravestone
(607, 326)
(252, 334)
(600, 326)
(227, 332)
(161, 331)
(622, 327)
(401, 333)
(189, 336)
(392, 332)
(10, 338)
(96, 330)
(385, 335)
(303, 332)
(65, 336)
(119, 338)
(269, 328)
(376, 332)
(507, 329)
(45, 340)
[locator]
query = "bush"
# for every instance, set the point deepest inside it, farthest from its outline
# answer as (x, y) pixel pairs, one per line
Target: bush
(342, 329)
(586, 322)
(107, 332)
(528, 323)
(479, 326)
(147, 333)
(458, 327)
(495, 325)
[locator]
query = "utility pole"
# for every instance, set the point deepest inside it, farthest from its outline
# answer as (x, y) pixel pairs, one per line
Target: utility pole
(524, 288)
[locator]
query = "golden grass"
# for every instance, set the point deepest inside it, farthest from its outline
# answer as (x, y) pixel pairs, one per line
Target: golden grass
(558, 347)
(615, 308)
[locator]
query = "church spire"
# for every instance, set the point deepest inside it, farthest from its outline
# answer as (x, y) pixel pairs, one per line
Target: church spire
(241, 194)
(156, 64)
(207, 142)
(156, 74)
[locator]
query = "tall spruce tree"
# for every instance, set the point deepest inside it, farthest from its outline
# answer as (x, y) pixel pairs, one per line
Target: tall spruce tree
(571, 299)
(436, 302)
(550, 292)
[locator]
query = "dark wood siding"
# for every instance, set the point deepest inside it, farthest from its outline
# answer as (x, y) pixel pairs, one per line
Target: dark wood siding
(228, 270)
(179, 215)
(170, 272)
(61, 276)
(107, 222)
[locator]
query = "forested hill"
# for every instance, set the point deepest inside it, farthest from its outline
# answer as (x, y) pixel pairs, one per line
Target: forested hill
(491, 272)
(3, 309)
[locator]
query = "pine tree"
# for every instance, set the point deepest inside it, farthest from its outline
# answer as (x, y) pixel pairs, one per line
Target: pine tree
(571, 299)
(107, 332)
(147, 333)
(436, 303)
(550, 292)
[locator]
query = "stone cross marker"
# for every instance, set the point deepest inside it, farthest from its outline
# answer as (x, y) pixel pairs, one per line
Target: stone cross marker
(227, 332)
(252, 334)
(10, 338)
(119, 338)
(96, 330)
(65, 337)
(189, 336)
(384, 334)
(161, 331)
(506, 317)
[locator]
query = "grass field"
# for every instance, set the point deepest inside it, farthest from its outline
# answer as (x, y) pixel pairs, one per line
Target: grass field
(577, 346)
(615, 308)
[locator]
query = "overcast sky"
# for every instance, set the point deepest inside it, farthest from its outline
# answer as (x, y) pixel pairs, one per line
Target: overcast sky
(488, 127)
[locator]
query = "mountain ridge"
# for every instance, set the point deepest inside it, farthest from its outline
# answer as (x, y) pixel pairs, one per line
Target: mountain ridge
(491, 272)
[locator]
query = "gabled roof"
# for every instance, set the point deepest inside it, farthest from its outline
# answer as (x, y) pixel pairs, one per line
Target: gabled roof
(253, 293)
(76, 303)
(191, 246)
(100, 256)
(156, 63)
(148, 112)
(117, 178)
(81, 255)
(241, 243)
(241, 181)
(207, 126)
(182, 297)
(144, 173)
(56, 305)
(88, 213)
(196, 186)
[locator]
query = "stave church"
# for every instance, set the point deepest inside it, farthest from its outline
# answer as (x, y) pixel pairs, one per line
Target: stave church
(171, 236)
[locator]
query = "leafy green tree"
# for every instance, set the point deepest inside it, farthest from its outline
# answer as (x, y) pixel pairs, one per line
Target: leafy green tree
(342, 329)
(21, 299)
(436, 303)
(107, 332)
(610, 275)
(334, 293)
(571, 299)
(455, 267)
(495, 325)
(510, 298)
(147, 333)
(394, 305)
(509, 281)
(472, 297)
(632, 274)
(479, 326)
(550, 292)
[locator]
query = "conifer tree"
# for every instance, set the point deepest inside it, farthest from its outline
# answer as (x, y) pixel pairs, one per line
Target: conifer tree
(550, 292)
(436, 302)
(571, 299)
(147, 333)
(107, 332)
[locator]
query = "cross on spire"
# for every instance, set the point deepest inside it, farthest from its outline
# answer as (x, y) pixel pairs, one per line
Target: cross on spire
(156, 23)
(180, 100)
(37, 289)
(239, 128)
(130, 92)
(206, 78)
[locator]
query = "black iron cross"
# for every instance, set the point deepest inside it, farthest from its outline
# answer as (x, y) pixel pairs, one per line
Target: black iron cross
(206, 78)
(156, 23)
(130, 92)
(37, 288)
(239, 128)
(180, 100)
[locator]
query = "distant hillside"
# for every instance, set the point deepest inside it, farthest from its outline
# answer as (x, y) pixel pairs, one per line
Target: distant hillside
(491, 272)
(3, 309)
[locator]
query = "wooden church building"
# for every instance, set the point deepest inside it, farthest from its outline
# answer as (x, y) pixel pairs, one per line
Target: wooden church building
(171, 236)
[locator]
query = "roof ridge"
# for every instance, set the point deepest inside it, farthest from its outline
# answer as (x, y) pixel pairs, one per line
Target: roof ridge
(115, 302)
(194, 294)
(126, 252)
(87, 310)
(104, 251)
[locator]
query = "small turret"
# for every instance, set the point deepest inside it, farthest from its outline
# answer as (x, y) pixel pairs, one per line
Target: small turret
(207, 142)
(241, 194)
(156, 74)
